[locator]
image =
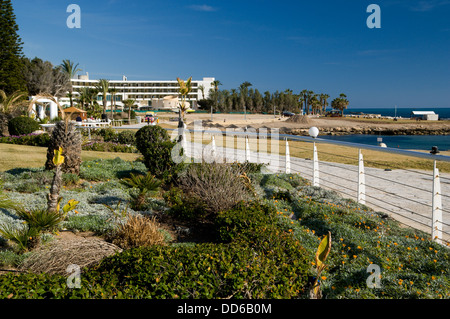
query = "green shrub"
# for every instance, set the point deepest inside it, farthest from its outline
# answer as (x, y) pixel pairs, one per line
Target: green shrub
(22, 125)
(42, 140)
(155, 145)
(127, 137)
(183, 206)
(243, 220)
(109, 134)
(201, 271)
(100, 146)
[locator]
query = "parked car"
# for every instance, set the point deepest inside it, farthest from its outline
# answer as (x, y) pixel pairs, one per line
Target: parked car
(287, 113)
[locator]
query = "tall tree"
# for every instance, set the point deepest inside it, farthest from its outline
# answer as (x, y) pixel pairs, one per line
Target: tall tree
(70, 69)
(243, 97)
(316, 106)
(11, 65)
(113, 91)
(129, 103)
(41, 77)
(340, 103)
(103, 88)
(202, 89)
(84, 97)
(324, 102)
(309, 98)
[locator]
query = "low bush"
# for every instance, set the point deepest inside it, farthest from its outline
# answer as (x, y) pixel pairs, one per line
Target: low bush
(259, 260)
(183, 206)
(217, 186)
(147, 185)
(109, 146)
(127, 137)
(137, 231)
(22, 125)
(109, 135)
(32, 139)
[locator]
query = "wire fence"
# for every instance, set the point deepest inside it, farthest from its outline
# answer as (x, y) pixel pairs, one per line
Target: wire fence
(408, 195)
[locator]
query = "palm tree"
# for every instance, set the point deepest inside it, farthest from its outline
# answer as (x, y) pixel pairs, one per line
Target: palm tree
(315, 104)
(70, 69)
(310, 95)
(185, 89)
(324, 102)
(84, 97)
(340, 103)
(10, 106)
(216, 84)
(202, 89)
(113, 91)
(129, 103)
(103, 88)
(306, 96)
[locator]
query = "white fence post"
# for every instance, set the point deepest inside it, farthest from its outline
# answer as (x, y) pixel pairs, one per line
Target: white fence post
(247, 150)
(315, 167)
(287, 167)
(213, 147)
(361, 180)
(436, 222)
(183, 140)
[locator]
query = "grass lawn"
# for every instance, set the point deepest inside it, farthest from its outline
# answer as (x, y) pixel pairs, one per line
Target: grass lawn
(20, 156)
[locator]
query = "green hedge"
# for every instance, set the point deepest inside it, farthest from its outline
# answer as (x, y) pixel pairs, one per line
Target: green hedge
(42, 140)
(22, 125)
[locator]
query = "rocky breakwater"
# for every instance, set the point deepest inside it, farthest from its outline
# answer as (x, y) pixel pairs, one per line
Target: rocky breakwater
(407, 130)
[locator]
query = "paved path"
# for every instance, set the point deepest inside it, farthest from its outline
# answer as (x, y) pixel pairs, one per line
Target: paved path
(403, 194)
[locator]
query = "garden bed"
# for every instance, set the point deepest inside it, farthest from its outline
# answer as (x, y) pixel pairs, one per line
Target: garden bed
(283, 209)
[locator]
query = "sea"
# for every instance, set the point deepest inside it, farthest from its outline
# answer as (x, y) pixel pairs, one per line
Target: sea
(408, 142)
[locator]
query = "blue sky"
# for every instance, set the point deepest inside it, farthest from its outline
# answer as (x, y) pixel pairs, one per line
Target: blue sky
(324, 46)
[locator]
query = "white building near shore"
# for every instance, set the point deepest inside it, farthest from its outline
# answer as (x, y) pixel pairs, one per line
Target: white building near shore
(153, 94)
(425, 115)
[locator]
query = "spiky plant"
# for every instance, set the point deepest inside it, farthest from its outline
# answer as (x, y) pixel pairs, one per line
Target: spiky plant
(10, 106)
(66, 136)
(147, 185)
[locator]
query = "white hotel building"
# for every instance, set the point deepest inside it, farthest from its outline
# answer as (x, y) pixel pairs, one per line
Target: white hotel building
(154, 94)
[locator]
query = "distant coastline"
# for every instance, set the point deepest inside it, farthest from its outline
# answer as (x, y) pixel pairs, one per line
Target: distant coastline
(444, 112)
